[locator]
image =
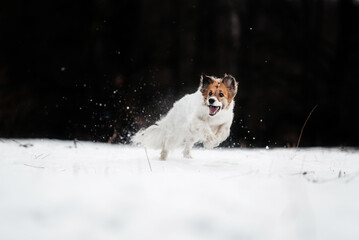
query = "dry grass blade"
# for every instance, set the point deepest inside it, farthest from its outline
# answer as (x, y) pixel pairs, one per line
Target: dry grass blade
(28, 165)
(149, 163)
(301, 131)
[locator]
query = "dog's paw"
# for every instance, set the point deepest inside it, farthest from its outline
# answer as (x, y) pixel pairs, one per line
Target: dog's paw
(164, 154)
(207, 145)
(210, 145)
(187, 155)
(211, 141)
(211, 138)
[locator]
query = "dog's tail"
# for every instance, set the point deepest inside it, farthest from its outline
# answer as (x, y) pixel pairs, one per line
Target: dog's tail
(150, 137)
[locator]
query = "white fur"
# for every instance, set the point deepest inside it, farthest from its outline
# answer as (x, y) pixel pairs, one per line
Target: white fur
(188, 122)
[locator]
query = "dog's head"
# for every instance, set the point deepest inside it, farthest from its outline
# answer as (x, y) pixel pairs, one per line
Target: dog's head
(218, 93)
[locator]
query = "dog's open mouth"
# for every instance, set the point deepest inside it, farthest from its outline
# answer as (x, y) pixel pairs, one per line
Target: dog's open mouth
(213, 110)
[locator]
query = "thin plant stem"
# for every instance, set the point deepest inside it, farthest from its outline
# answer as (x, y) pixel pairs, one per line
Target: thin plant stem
(148, 160)
(301, 131)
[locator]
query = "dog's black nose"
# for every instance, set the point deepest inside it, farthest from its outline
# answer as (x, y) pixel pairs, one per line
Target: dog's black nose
(211, 101)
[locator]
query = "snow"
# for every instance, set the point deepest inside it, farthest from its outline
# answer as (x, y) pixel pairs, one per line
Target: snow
(50, 189)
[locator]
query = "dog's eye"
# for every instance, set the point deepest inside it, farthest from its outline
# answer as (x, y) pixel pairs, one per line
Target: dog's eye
(221, 95)
(210, 93)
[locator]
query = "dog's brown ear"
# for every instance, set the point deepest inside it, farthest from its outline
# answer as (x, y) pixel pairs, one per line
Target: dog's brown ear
(231, 83)
(205, 82)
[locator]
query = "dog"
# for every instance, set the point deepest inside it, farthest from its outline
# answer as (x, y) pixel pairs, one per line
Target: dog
(202, 117)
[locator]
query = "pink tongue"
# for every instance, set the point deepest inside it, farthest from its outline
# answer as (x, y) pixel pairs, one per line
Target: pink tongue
(212, 110)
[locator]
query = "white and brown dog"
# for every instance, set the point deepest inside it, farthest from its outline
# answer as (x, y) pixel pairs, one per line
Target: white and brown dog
(202, 117)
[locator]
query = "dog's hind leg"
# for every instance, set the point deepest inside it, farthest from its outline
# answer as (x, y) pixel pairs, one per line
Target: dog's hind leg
(165, 145)
(164, 154)
(187, 149)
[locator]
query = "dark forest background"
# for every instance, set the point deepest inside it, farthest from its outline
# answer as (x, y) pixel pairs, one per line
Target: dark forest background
(101, 69)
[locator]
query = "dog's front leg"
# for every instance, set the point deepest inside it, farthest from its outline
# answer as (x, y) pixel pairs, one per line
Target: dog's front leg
(222, 132)
(210, 139)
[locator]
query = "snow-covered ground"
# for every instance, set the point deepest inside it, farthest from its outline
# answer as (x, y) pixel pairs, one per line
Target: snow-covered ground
(51, 189)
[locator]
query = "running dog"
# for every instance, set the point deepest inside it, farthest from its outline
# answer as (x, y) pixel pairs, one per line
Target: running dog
(202, 117)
